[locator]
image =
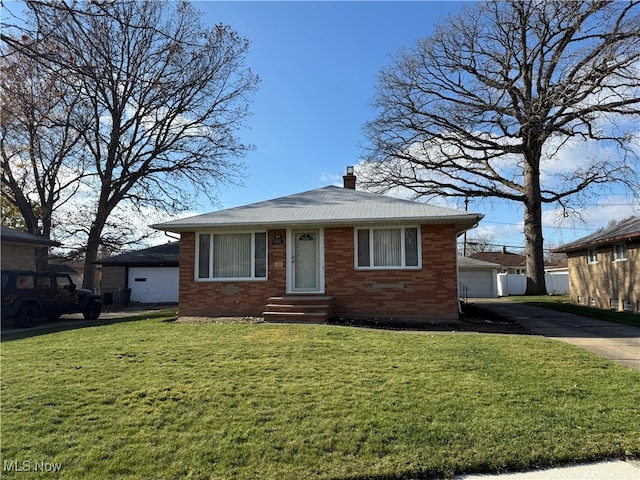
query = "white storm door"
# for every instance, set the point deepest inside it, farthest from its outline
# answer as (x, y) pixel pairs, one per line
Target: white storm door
(305, 261)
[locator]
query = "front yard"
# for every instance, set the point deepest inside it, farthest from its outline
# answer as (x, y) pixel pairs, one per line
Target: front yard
(164, 400)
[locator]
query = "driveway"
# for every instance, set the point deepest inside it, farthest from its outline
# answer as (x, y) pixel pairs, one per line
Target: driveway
(617, 342)
(76, 320)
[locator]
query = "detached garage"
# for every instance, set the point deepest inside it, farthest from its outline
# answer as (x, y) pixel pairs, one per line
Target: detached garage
(151, 274)
(153, 284)
(477, 279)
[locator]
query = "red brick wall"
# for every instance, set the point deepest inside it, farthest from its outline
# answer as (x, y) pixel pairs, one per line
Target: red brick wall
(428, 294)
(229, 298)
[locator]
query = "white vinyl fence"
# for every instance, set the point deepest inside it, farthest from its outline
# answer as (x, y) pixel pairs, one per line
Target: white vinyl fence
(512, 284)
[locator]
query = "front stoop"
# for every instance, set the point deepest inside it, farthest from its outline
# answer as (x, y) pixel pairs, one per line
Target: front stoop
(299, 308)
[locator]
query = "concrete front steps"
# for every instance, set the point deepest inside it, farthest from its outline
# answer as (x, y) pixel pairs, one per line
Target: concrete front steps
(299, 309)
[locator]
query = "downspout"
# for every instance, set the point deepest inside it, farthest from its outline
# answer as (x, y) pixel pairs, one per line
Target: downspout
(458, 280)
(458, 263)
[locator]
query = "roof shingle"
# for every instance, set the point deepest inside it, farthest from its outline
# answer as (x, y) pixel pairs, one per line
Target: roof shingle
(166, 255)
(326, 206)
(628, 229)
(12, 235)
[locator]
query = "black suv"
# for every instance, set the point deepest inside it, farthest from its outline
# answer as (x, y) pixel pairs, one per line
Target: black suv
(30, 296)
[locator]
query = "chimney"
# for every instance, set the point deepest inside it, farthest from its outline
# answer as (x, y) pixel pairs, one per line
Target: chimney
(349, 179)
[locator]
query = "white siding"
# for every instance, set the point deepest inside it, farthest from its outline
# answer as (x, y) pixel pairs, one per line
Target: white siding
(477, 283)
(153, 284)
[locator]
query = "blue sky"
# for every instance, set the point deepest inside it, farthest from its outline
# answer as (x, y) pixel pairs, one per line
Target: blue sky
(318, 63)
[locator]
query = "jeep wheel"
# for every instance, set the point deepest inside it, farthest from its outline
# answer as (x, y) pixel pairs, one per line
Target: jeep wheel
(92, 311)
(28, 316)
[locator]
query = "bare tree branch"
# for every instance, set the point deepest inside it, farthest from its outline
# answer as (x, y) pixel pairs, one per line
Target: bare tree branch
(166, 98)
(485, 106)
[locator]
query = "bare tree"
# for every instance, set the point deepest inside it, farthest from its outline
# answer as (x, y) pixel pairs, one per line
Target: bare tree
(488, 104)
(480, 243)
(166, 96)
(40, 154)
(553, 258)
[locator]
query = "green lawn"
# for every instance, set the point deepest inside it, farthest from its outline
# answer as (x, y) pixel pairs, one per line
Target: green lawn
(561, 303)
(163, 400)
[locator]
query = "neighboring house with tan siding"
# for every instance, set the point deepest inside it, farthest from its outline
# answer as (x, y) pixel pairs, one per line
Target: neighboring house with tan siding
(604, 267)
(20, 249)
(326, 252)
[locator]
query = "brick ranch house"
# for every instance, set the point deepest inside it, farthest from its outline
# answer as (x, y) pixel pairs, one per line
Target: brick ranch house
(330, 251)
(604, 267)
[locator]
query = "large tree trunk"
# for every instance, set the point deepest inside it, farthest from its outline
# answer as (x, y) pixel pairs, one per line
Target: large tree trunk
(42, 254)
(93, 242)
(93, 245)
(534, 242)
(42, 259)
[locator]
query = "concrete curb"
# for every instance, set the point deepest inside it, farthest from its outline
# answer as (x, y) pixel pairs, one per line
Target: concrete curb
(609, 470)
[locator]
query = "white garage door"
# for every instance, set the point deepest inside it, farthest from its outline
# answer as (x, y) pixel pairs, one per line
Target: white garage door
(153, 284)
(478, 283)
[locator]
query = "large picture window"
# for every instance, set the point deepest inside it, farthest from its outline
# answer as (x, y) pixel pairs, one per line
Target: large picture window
(387, 248)
(231, 256)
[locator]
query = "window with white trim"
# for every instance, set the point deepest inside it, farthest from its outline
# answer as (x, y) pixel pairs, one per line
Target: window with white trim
(387, 248)
(592, 255)
(619, 252)
(231, 256)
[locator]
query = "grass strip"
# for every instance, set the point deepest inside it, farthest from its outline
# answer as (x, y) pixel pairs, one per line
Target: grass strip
(561, 303)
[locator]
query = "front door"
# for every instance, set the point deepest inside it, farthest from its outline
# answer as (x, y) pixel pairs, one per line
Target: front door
(305, 261)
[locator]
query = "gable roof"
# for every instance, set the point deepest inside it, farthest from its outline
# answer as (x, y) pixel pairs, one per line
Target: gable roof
(326, 206)
(468, 263)
(626, 230)
(504, 259)
(166, 255)
(16, 236)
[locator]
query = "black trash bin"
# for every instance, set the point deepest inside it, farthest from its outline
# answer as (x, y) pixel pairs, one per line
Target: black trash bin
(125, 296)
(107, 298)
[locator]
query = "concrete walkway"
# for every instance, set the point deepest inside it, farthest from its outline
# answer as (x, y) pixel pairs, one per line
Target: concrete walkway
(76, 320)
(615, 341)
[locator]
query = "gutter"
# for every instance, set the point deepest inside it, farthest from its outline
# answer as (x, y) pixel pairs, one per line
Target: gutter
(479, 217)
(597, 243)
(444, 220)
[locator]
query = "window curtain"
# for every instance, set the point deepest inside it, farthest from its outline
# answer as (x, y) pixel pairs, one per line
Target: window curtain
(261, 255)
(232, 255)
(387, 248)
(364, 259)
(204, 255)
(411, 247)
